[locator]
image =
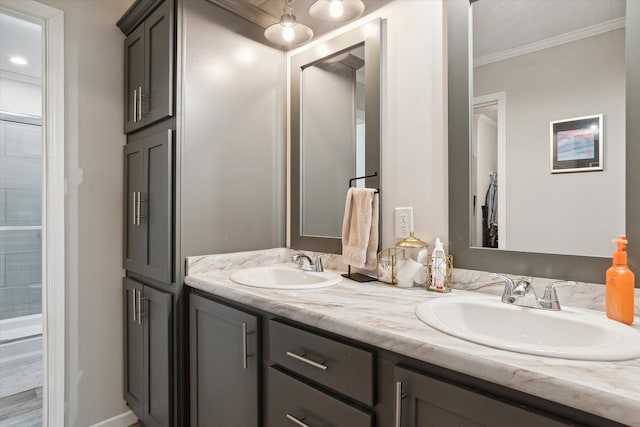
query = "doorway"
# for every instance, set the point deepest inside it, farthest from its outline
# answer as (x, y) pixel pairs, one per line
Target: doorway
(31, 214)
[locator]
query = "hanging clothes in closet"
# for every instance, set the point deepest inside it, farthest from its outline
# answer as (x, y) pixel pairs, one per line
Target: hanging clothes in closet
(489, 214)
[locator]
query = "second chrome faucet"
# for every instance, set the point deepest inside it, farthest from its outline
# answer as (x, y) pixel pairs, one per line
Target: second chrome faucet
(523, 294)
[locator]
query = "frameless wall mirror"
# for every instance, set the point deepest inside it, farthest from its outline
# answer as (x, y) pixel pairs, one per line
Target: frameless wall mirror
(532, 109)
(335, 132)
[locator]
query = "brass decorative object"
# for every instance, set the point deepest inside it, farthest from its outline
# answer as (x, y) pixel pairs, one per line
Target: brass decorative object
(448, 281)
(387, 264)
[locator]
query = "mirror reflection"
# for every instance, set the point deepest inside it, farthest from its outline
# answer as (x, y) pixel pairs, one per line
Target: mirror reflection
(525, 77)
(332, 144)
(334, 130)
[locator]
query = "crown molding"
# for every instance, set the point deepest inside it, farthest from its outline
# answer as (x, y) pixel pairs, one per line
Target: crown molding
(604, 27)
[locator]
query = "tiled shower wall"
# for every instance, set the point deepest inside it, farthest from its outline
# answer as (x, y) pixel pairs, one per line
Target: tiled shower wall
(20, 218)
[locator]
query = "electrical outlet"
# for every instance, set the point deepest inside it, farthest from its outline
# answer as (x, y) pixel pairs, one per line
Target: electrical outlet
(404, 222)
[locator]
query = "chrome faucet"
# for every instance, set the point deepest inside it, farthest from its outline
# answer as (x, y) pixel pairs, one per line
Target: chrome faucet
(300, 258)
(523, 294)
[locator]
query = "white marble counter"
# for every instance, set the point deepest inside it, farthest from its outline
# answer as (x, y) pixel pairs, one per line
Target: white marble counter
(383, 316)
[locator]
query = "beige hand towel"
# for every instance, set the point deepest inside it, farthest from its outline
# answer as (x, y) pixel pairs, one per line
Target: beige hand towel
(360, 228)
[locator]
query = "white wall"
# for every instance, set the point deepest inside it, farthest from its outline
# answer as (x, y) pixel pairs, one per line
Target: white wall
(94, 140)
(572, 213)
(414, 148)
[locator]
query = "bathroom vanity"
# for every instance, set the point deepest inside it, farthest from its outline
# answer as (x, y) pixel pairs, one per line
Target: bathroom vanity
(355, 354)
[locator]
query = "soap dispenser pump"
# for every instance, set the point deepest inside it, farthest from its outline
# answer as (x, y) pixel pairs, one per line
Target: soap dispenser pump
(620, 285)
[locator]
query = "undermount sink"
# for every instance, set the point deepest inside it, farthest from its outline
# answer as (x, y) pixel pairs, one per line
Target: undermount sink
(568, 334)
(284, 276)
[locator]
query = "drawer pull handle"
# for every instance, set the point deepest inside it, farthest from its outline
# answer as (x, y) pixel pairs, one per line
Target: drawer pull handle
(398, 403)
(245, 355)
(298, 421)
(302, 358)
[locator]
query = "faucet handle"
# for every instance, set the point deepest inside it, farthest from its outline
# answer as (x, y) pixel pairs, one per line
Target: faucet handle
(550, 291)
(318, 264)
(508, 280)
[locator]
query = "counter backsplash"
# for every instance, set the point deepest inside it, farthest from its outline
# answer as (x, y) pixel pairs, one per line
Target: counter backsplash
(583, 295)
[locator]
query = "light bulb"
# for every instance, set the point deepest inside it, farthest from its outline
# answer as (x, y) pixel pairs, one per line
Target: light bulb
(288, 34)
(336, 8)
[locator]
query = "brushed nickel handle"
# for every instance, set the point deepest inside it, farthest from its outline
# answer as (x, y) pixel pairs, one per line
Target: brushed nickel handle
(296, 420)
(140, 307)
(138, 209)
(135, 106)
(139, 103)
(133, 208)
(398, 404)
(303, 359)
(134, 303)
(245, 354)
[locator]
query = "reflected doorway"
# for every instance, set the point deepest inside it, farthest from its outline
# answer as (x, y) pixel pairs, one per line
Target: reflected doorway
(21, 214)
(488, 163)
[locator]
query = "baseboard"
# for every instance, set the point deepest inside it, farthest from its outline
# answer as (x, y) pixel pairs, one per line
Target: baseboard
(123, 420)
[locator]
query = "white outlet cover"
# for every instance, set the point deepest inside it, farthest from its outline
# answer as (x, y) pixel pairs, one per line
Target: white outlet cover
(403, 222)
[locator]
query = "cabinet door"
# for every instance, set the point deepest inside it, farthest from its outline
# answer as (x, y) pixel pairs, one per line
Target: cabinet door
(135, 230)
(134, 78)
(156, 205)
(148, 219)
(424, 401)
(158, 36)
(224, 365)
(156, 315)
(133, 348)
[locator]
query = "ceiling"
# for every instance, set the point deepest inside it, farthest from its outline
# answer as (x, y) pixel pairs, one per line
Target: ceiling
(499, 25)
(268, 12)
(22, 38)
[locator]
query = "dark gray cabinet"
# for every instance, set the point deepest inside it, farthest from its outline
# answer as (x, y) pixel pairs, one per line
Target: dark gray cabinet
(148, 59)
(292, 402)
(148, 201)
(147, 340)
(224, 364)
(341, 367)
(424, 401)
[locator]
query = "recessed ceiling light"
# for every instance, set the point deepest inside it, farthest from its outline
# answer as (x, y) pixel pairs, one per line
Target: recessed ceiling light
(18, 60)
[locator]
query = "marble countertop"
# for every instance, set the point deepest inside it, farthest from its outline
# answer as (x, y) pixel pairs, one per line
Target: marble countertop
(383, 316)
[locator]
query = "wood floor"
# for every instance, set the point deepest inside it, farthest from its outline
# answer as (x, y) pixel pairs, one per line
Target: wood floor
(22, 409)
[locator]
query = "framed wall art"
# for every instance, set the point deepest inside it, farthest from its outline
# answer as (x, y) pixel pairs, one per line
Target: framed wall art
(576, 144)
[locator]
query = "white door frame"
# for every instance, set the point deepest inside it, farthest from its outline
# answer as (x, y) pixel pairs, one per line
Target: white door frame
(53, 250)
(499, 99)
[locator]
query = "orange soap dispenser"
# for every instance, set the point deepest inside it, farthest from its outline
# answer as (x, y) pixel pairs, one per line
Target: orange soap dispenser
(620, 285)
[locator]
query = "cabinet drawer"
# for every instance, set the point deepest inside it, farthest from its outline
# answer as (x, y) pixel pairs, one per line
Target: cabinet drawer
(341, 367)
(292, 403)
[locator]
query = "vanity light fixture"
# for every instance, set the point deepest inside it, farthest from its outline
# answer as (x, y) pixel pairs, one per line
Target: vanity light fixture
(288, 31)
(336, 10)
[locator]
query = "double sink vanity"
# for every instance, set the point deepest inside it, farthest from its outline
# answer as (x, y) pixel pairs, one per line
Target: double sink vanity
(317, 349)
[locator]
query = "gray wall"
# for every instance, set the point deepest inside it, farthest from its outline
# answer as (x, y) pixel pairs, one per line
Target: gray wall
(328, 147)
(93, 171)
(571, 213)
(233, 135)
